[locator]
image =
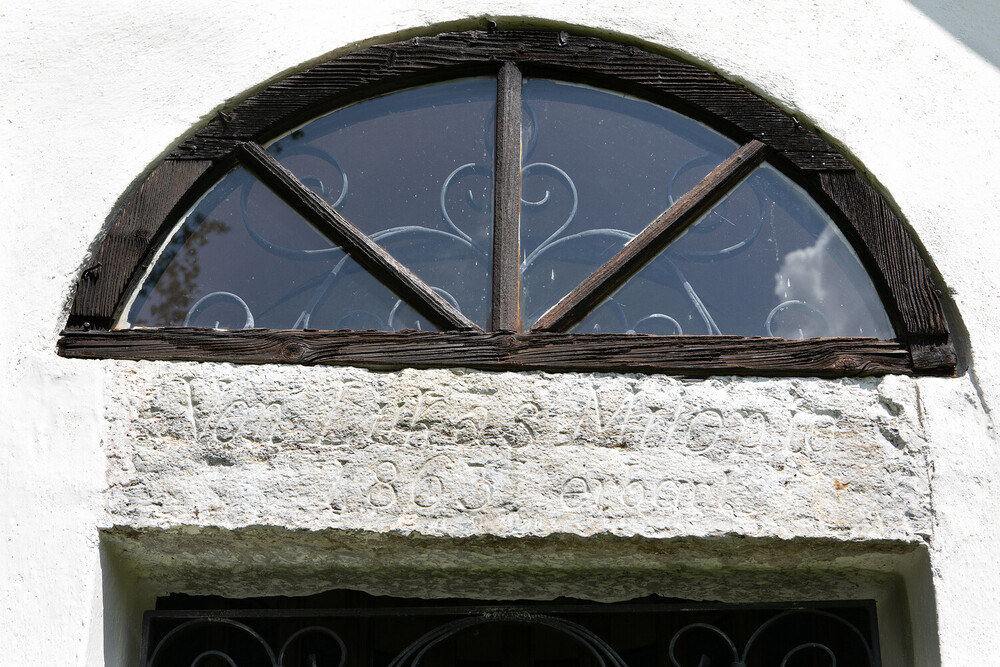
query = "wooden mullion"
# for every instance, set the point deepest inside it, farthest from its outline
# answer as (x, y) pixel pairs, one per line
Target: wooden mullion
(352, 240)
(652, 240)
(685, 355)
(505, 314)
(885, 245)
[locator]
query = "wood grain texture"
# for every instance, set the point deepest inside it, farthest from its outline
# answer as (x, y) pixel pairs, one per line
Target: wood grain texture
(504, 315)
(882, 234)
(651, 241)
(685, 355)
(933, 355)
(129, 240)
(379, 69)
(888, 251)
(355, 243)
(882, 241)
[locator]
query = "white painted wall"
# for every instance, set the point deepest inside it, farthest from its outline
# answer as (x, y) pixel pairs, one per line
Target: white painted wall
(92, 94)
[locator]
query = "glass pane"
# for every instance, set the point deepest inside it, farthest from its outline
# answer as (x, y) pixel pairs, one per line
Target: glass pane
(243, 258)
(414, 171)
(598, 167)
(766, 261)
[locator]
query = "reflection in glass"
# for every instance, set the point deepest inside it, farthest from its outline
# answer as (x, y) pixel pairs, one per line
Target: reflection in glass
(598, 167)
(766, 261)
(243, 258)
(414, 171)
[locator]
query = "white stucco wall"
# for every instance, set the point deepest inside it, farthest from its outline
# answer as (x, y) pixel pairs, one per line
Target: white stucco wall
(91, 95)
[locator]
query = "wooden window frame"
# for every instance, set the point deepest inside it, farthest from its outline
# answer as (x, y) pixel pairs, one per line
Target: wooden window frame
(901, 277)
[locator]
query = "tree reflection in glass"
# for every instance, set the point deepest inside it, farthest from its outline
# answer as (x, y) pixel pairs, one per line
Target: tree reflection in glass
(413, 170)
(243, 258)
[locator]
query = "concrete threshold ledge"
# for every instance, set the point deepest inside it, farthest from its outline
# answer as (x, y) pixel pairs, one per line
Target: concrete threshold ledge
(270, 560)
(262, 561)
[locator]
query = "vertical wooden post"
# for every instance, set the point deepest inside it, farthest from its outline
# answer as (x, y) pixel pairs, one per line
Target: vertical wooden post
(505, 314)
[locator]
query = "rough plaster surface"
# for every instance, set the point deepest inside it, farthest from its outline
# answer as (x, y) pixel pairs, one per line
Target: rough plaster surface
(90, 97)
(470, 453)
(269, 560)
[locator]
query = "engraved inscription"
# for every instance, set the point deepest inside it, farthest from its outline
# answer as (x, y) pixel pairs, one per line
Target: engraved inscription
(602, 491)
(575, 492)
(437, 481)
(382, 493)
(428, 487)
(517, 454)
(525, 419)
(628, 416)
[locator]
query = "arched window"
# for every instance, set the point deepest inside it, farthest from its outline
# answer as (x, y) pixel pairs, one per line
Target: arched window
(511, 200)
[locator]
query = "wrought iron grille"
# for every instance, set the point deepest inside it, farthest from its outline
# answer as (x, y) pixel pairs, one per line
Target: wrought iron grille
(601, 243)
(563, 284)
(637, 634)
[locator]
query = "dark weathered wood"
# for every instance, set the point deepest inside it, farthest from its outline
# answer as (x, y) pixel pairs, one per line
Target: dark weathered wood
(507, 202)
(933, 355)
(106, 279)
(651, 241)
(377, 69)
(904, 280)
(908, 286)
(898, 261)
(686, 355)
(355, 243)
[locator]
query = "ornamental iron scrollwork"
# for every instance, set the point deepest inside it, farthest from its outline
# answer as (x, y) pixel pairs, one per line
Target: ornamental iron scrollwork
(488, 291)
(743, 658)
(800, 636)
(564, 242)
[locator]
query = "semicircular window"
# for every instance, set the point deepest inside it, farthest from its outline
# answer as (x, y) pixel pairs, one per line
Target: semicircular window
(563, 214)
(597, 168)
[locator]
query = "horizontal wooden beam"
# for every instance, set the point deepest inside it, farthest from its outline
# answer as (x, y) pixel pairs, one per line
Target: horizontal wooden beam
(651, 241)
(679, 355)
(357, 244)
